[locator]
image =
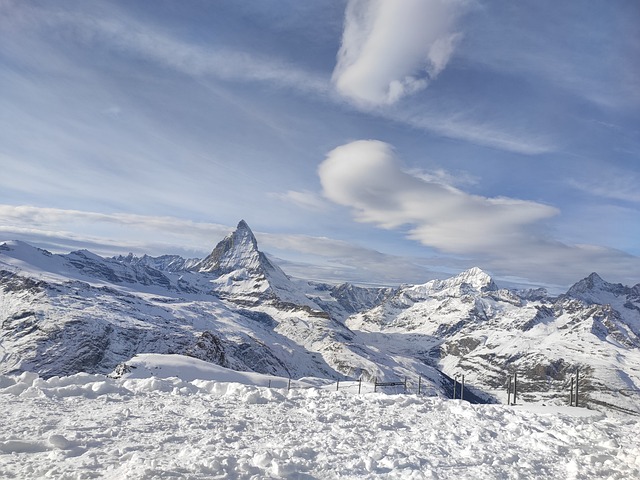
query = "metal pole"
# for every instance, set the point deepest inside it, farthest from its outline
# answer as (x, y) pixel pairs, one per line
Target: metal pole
(515, 386)
(405, 384)
(462, 389)
(509, 390)
(289, 384)
(337, 385)
(419, 384)
(571, 394)
(577, 378)
(269, 383)
(455, 381)
(375, 384)
(359, 384)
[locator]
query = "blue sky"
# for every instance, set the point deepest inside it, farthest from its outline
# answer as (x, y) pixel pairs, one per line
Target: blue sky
(370, 141)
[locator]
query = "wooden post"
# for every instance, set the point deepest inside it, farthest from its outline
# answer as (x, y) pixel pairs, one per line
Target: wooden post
(405, 384)
(289, 384)
(462, 389)
(571, 393)
(455, 381)
(515, 387)
(577, 388)
(419, 384)
(509, 390)
(337, 385)
(359, 384)
(269, 383)
(375, 384)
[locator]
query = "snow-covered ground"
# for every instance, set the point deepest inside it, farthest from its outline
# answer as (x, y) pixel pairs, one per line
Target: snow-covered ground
(215, 423)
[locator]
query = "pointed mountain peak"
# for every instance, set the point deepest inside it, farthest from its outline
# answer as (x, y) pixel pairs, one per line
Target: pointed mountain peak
(237, 250)
(243, 234)
(242, 225)
(592, 282)
(590, 287)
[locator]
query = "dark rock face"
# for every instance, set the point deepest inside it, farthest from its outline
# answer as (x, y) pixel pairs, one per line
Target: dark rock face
(593, 288)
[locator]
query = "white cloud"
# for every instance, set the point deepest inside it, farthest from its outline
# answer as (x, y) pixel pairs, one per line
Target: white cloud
(114, 29)
(391, 49)
(483, 133)
(107, 233)
(443, 177)
(504, 235)
(366, 176)
(615, 185)
(305, 199)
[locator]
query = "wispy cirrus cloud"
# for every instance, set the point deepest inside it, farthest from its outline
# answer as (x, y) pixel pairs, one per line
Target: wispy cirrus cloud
(402, 68)
(461, 126)
(621, 186)
(393, 49)
(109, 28)
(108, 233)
(303, 199)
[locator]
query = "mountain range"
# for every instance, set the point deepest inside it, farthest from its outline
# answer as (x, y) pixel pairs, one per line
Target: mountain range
(80, 312)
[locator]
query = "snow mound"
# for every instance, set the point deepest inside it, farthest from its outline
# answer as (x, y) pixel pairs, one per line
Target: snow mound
(148, 365)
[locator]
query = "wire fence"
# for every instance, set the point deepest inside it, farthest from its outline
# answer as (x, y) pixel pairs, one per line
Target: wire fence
(578, 390)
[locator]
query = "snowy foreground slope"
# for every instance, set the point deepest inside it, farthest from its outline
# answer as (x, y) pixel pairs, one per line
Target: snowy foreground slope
(79, 312)
(142, 427)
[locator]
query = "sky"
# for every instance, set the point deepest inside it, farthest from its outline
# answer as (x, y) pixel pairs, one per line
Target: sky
(372, 141)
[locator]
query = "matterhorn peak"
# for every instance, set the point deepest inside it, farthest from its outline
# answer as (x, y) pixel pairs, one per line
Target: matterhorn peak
(237, 250)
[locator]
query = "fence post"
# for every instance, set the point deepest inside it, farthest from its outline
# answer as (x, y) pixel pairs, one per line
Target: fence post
(462, 389)
(405, 384)
(509, 390)
(455, 381)
(571, 393)
(359, 384)
(289, 384)
(375, 384)
(419, 384)
(577, 379)
(515, 387)
(269, 383)
(337, 385)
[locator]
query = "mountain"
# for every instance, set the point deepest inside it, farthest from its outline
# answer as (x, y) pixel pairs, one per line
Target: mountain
(486, 334)
(595, 290)
(244, 275)
(79, 312)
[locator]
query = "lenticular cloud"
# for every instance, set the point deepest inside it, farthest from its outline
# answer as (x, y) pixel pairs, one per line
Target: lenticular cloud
(366, 176)
(391, 49)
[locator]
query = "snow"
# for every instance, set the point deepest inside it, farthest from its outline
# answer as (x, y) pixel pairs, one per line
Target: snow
(213, 423)
(149, 365)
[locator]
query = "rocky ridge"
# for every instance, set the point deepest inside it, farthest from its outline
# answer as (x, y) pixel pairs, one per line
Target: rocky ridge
(61, 314)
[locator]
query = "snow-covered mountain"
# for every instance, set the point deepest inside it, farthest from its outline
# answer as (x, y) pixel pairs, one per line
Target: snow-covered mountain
(243, 274)
(487, 333)
(62, 314)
